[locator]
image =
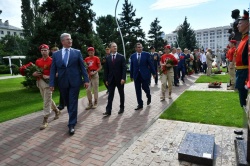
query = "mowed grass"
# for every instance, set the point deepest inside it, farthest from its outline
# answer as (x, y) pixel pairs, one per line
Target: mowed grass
(16, 100)
(213, 78)
(218, 108)
(4, 75)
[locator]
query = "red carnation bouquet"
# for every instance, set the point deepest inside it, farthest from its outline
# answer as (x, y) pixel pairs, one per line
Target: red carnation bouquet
(170, 62)
(27, 70)
(182, 57)
(215, 83)
(23, 68)
(164, 69)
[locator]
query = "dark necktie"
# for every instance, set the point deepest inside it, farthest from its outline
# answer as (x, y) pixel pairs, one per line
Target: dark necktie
(66, 56)
(139, 58)
(113, 58)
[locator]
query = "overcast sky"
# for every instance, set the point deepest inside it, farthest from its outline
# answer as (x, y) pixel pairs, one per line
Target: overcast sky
(171, 13)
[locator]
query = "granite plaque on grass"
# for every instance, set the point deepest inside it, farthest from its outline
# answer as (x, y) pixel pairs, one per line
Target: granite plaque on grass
(197, 148)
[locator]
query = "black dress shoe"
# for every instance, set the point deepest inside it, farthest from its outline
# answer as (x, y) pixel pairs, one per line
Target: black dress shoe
(71, 131)
(183, 80)
(238, 132)
(139, 107)
(239, 137)
(106, 114)
(149, 100)
(60, 108)
(121, 111)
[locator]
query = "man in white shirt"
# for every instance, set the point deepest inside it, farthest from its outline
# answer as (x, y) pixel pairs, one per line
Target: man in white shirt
(203, 61)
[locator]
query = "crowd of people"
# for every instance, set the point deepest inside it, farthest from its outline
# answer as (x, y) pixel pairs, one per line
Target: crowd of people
(69, 71)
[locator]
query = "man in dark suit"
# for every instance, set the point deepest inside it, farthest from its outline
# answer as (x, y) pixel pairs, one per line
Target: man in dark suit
(115, 76)
(141, 67)
(103, 62)
(156, 62)
(68, 63)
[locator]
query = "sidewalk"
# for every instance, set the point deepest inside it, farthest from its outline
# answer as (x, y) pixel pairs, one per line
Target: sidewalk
(158, 146)
(8, 77)
(102, 141)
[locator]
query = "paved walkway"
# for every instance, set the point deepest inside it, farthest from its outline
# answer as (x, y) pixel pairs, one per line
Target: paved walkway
(8, 77)
(118, 140)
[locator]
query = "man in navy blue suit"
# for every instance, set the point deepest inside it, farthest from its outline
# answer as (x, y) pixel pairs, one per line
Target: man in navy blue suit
(68, 63)
(115, 76)
(141, 67)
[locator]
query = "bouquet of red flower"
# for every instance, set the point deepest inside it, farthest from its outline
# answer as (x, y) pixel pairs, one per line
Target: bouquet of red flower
(23, 68)
(190, 71)
(182, 57)
(27, 71)
(215, 83)
(170, 62)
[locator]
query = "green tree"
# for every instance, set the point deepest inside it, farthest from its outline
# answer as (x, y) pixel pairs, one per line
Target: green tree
(155, 35)
(186, 36)
(29, 16)
(58, 16)
(13, 45)
(131, 29)
(107, 33)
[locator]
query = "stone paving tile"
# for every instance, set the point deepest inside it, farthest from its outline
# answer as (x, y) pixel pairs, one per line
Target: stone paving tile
(167, 153)
(100, 141)
(97, 141)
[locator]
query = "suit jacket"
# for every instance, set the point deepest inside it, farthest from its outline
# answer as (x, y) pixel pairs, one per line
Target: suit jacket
(117, 70)
(70, 75)
(145, 67)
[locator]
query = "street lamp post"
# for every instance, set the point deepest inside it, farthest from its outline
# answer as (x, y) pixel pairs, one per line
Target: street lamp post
(124, 52)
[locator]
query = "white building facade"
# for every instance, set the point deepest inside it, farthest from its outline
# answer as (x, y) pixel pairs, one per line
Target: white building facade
(6, 29)
(214, 38)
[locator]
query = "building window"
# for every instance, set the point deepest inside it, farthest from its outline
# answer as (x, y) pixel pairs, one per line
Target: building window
(8, 32)
(2, 32)
(15, 33)
(219, 32)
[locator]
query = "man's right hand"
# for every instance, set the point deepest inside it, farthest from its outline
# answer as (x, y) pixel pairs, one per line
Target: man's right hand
(37, 74)
(51, 88)
(86, 85)
(107, 83)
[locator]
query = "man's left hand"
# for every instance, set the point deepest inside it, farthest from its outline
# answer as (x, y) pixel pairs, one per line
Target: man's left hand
(122, 81)
(86, 85)
(154, 76)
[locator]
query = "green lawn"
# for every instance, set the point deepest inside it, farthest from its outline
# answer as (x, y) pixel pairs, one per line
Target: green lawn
(216, 77)
(17, 101)
(3, 75)
(218, 108)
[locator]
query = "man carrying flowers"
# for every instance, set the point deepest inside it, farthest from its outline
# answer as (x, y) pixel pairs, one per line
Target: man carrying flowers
(94, 66)
(167, 62)
(42, 76)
